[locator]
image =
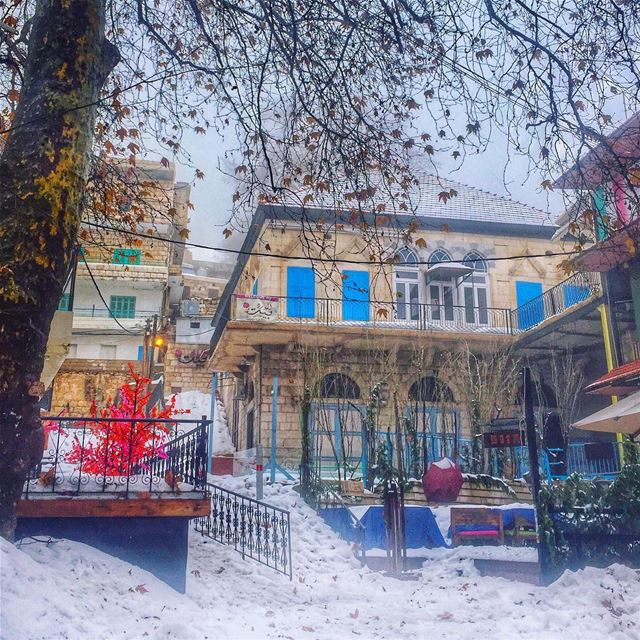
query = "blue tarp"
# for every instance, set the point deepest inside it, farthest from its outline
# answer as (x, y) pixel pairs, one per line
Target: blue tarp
(339, 519)
(421, 529)
(509, 516)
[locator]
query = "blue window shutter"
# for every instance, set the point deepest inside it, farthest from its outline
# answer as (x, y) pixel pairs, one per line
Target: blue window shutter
(301, 292)
(530, 305)
(355, 296)
(140, 352)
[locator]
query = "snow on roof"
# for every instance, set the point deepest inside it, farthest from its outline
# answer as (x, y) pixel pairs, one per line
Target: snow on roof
(472, 203)
(425, 200)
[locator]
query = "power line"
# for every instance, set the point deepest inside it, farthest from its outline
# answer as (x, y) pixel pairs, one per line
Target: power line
(263, 254)
(107, 307)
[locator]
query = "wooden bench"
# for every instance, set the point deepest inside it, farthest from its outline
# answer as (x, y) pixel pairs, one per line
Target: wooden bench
(471, 525)
(523, 532)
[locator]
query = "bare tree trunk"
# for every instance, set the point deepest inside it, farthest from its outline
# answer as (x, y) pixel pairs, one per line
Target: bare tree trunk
(43, 169)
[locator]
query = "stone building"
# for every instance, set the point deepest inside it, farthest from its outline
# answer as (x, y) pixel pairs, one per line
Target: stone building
(347, 332)
(185, 364)
(120, 287)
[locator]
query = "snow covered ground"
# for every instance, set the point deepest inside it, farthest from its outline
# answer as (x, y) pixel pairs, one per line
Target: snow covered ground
(69, 591)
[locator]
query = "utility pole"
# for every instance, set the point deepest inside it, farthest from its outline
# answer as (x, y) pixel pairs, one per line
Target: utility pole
(534, 469)
(150, 343)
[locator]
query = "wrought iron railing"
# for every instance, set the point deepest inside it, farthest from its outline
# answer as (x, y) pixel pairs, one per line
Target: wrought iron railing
(408, 315)
(589, 459)
(255, 529)
(555, 301)
(87, 455)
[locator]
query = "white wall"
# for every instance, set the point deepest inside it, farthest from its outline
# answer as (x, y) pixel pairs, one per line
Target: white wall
(185, 334)
(97, 347)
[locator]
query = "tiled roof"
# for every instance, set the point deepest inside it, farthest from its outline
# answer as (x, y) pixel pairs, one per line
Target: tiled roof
(470, 204)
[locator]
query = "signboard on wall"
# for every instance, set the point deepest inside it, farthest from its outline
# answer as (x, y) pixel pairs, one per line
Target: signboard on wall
(503, 433)
(498, 439)
(250, 307)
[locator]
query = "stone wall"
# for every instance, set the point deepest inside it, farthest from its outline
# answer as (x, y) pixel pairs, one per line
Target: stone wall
(79, 383)
(291, 368)
(186, 376)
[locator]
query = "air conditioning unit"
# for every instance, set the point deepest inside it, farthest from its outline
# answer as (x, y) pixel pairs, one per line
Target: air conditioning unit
(190, 308)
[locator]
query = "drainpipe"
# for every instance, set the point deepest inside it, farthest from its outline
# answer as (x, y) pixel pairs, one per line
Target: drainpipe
(212, 414)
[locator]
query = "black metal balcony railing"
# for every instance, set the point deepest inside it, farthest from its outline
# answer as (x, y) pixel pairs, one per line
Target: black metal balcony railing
(408, 315)
(254, 528)
(85, 455)
(555, 301)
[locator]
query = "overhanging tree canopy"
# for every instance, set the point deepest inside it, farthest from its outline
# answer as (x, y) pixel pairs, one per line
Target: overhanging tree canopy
(318, 93)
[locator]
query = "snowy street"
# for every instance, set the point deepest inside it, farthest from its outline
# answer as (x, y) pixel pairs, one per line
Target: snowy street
(69, 591)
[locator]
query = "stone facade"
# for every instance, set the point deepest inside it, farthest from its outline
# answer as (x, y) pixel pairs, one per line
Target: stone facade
(185, 368)
(80, 383)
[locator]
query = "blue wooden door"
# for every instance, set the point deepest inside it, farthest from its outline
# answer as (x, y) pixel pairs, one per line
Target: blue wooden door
(301, 292)
(530, 304)
(355, 296)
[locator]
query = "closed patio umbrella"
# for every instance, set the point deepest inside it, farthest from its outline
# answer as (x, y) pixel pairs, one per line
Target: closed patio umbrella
(622, 417)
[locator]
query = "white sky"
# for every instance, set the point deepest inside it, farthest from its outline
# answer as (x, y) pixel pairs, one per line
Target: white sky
(212, 196)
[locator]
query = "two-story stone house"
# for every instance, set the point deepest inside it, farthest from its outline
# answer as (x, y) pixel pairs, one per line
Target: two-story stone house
(312, 304)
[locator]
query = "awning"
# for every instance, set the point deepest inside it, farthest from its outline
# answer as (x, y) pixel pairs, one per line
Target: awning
(448, 270)
(621, 417)
(619, 248)
(620, 381)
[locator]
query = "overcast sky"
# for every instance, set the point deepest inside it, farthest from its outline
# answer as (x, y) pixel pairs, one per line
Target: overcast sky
(212, 196)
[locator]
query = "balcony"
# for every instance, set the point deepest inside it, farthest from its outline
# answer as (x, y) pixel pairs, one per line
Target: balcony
(370, 313)
(570, 293)
(100, 318)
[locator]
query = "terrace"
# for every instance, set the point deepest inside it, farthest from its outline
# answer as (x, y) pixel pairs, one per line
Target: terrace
(435, 317)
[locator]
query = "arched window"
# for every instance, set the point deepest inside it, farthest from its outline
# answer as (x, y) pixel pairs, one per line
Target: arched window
(474, 260)
(439, 255)
(430, 389)
(407, 257)
(407, 289)
(475, 289)
(337, 385)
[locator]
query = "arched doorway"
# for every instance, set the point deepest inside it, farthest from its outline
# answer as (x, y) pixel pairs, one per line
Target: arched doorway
(336, 423)
(433, 421)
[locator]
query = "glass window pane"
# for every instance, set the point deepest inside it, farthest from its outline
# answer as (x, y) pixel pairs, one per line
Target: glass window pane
(415, 307)
(401, 309)
(448, 303)
(483, 314)
(469, 312)
(434, 300)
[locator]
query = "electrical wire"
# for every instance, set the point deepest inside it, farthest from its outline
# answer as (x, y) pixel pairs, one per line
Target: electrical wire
(262, 254)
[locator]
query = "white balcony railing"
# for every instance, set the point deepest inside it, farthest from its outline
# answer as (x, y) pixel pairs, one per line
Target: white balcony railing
(330, 312)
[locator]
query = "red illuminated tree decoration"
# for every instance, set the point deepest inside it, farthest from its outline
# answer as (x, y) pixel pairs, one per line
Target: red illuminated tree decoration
(121, 448)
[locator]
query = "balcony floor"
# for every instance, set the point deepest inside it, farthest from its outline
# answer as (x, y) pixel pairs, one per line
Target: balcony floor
(242, 338)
